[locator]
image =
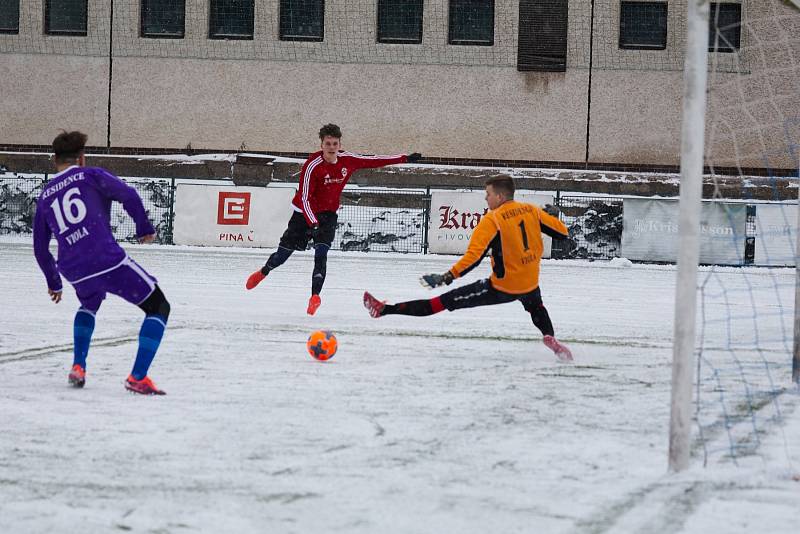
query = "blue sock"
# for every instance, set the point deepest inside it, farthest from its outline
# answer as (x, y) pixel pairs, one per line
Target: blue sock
(82, 333)
(149, 339)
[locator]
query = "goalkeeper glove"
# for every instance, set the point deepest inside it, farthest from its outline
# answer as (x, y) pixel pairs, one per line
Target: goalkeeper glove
(414, 157)
(551, 210)
(436, 280)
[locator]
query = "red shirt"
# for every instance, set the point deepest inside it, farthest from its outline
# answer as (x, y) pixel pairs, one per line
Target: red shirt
(321, 183)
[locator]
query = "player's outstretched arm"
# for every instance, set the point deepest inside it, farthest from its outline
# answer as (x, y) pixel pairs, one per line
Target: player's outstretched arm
(358, 161)
(478, 248)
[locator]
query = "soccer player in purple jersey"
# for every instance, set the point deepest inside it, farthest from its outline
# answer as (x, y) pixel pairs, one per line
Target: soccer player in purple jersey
(75, 206)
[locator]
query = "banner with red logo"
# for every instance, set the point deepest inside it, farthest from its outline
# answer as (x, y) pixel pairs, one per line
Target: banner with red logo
(219, 216)
(455, 215)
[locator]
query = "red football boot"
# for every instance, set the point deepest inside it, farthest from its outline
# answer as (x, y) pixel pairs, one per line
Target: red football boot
(313, 304)
(562, 351)
(254, 279)
(145, 386)
(373, 305)
(77, 376)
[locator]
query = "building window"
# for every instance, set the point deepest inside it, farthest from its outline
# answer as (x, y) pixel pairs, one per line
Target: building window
(399, 21)
(163, 19)
(65, 17)
(725, 27)
(9, 16)
(231, 19)
(302, 20)
(471, 22)
(643, 25)
(542, 44)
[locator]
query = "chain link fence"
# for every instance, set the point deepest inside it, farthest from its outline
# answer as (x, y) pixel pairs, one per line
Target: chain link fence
(17, 203)
(595, 227)
(385, 220)
(370, 219)
(18, 194)
(158, 197)
(606, 34)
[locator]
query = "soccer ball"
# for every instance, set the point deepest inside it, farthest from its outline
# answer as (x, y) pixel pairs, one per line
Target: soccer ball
(322, 345)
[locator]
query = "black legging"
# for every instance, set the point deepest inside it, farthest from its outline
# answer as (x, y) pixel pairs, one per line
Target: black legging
(480, 293)
(320, 267)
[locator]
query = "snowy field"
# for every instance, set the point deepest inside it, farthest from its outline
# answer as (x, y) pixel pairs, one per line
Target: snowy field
(458, 423)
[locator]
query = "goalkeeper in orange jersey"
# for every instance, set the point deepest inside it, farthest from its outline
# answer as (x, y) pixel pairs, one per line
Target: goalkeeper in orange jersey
(512, 233)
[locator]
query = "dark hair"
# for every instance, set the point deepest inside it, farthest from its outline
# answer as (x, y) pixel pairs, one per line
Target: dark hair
(330, 130)
(502, 184)
(68, 146)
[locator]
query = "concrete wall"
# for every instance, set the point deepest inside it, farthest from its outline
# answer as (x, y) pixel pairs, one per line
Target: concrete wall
(53, 82)
(753, 97)
(459, 112)
(444, 101)
(42, 94)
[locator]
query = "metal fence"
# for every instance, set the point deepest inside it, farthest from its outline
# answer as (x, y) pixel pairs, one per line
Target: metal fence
(17, 202)
(370, 219)
(386, 220)
(595, 227)
(158, 197)
(18, 196)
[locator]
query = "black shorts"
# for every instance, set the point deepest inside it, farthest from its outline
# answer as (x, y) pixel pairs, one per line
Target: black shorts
(481, 293)
(298, 232)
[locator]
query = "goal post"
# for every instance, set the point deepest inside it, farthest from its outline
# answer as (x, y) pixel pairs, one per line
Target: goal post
(692, 151)
(796, 345)
(735, 329)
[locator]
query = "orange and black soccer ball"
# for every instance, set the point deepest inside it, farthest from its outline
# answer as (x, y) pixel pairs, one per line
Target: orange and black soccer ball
(322, 345)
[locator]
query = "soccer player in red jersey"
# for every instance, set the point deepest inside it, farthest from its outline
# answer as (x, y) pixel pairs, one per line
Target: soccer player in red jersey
(322, 179)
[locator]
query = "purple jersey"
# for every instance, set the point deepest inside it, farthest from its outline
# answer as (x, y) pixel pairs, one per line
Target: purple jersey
(75, 206)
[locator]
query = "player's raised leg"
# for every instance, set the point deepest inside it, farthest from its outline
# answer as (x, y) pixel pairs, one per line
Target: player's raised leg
(417, 308)
(478, 293)
(275, 260)
(295, 237)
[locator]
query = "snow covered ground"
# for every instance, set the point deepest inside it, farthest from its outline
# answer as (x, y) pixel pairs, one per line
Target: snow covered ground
(461, 422)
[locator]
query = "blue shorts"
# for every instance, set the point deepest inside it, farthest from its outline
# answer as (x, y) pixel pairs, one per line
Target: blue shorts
(126, 280)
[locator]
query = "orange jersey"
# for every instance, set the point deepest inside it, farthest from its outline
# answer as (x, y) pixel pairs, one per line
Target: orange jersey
(513, 235)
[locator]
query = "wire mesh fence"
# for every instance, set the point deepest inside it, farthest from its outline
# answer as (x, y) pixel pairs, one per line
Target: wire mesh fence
(386, 220)
(18, 203)
(606, 34)
(158, 196)
(595, 227)
(18, 195)
(370, 219)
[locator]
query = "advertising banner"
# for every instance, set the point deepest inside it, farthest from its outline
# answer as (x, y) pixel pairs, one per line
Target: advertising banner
(776, 234)
(454, 215)
(650, 231)
(220, 216)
